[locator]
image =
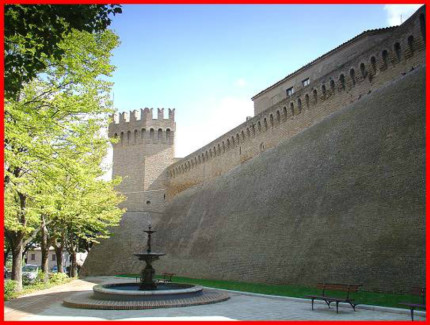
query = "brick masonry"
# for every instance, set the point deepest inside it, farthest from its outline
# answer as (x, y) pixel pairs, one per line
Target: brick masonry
(305, 107)
(86, 301)
(325, 186)
(342, 201)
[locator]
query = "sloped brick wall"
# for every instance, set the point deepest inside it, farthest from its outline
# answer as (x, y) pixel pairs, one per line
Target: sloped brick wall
(342, 201)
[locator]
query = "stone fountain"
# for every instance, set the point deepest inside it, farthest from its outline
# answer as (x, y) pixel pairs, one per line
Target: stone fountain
(147, 275)
(148, 293)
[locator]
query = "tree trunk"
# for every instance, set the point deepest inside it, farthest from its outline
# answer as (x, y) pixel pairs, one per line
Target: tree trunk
(6, 254)
(17, 263)
(59, 253)
(74, 266)
(17, 241)
(44, 247)
(26, 246)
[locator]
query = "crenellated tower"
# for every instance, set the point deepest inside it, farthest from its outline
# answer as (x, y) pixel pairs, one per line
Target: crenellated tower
(143, 151)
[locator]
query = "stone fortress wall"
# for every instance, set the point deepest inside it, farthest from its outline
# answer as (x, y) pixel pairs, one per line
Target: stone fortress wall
(144, 148)
(339, 196)
(341, 202)
(401, 51)
(321, 66)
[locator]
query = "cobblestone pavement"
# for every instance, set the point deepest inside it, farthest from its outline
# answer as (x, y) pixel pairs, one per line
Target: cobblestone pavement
(47, 305)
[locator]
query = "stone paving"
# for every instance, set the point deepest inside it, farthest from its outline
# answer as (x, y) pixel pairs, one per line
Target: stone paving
(47, 305)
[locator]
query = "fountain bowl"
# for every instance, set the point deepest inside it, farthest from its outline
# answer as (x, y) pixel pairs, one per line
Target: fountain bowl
(131, 291)
(121, 296)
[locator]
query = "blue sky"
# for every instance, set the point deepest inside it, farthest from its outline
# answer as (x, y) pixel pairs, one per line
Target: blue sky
(207, 61)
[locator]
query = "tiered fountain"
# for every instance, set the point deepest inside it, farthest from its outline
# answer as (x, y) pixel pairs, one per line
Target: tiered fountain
(147, 275)
(148, 293)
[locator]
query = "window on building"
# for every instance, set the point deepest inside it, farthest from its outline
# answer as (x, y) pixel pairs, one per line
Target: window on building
(342, 81)
(33, 257)
(411, 43)
(306, 82)
(352, 75)
(398, 51)
(385, 58)
(332, 85)
(290, 91)
(363, 70)
(373, 63)
(53, 257)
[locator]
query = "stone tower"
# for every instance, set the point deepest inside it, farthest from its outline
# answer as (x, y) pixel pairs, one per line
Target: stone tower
(144, 149)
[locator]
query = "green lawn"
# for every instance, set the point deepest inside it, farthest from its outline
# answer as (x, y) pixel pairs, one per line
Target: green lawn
(362, 297)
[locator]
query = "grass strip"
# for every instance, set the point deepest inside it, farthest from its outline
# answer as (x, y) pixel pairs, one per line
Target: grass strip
(361, 297)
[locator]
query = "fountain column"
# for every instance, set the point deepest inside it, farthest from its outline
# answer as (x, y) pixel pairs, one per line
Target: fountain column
(147, 275)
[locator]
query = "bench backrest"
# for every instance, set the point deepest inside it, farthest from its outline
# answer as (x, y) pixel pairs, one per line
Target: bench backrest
(348, 288)
(420, 291)
(168, 275)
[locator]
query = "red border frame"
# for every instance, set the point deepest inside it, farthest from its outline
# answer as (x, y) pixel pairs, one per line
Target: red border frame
(427, 178)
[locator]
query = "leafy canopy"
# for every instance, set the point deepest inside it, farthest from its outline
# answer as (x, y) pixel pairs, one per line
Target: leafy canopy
(34, 33)
(54, 143)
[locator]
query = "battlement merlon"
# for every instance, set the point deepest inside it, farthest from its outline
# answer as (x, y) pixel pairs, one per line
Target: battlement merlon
(142, 119)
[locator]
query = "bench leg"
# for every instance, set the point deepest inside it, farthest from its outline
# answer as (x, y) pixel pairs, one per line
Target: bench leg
(312, 303)
(328, 303)
(337, 307)
(412, 314)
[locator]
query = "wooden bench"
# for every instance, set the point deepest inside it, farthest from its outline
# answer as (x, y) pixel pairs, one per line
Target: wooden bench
(167, 277)
(348, 288)
(417, 291)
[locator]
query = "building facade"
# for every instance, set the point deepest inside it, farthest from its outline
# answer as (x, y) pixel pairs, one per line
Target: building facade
(34, 257)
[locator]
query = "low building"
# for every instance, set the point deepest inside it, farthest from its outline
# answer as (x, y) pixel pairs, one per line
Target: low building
(34, 257)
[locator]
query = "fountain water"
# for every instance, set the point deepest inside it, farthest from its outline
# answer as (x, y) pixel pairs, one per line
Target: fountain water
(146, 294)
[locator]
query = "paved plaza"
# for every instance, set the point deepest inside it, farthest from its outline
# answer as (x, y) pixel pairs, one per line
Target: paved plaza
(47, 305)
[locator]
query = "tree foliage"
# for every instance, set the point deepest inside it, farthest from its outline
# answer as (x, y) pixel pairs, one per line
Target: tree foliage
(34, 33)
(54, 147)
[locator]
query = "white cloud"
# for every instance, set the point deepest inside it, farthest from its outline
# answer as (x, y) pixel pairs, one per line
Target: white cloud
(396, 14)
(240, 82)
(221, 116)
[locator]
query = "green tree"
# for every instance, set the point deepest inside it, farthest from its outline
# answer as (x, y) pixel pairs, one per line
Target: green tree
(92, 219)
(34, 32)
(85, 204)
(53, 136)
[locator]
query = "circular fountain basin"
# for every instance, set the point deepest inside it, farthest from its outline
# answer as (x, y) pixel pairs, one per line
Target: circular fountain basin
(130, 291)
(117, 296)
(129, 296)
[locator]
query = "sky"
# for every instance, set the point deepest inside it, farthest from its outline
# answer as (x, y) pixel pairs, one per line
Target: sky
(207, 61)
